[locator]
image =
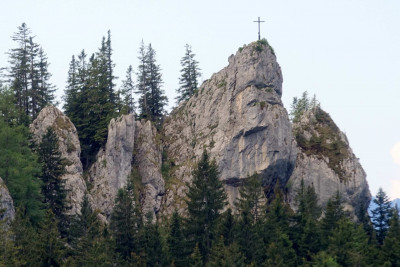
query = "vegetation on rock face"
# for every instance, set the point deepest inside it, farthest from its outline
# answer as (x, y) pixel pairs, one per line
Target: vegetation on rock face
(325, 139)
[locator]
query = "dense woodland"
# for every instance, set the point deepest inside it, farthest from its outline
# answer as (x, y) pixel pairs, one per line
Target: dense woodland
(259, 232)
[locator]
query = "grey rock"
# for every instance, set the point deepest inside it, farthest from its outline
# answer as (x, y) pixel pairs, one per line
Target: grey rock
(316, 168)
(7, 213)
(70, 149)
(147, 159)
(112, 167)
(238, 116)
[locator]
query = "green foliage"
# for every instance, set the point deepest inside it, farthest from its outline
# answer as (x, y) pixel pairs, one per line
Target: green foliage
(206, 199)
(53, 187)
(333, 214)
(391, 244)
(90, 100)
(176, 242)
(190, 73)
(226, 256)
(20, 170)
(29, 76)
(152, 99)
(125, 223)
(381, 215)
(252, 197)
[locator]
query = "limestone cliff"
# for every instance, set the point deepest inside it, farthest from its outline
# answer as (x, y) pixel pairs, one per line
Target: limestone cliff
(147, 161)
(113, 166)
(7, 213)
(70, 149)
(238, 116)
(326, 161)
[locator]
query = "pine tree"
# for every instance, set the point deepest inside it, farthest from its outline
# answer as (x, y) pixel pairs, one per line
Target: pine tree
(206, 198)
(190, 72)
(176, 242)
(381, 215)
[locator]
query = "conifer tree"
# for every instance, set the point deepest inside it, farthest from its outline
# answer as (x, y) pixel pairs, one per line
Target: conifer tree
(190, 73)
(333, 214)
(176, 242)
(226, 256)
(305, 233)
(127, 105)
(252, 197)
(20, 170)
(227, 227)
(153, 247)
(391, 245)
(206, 199)
(53, 187)
(381, 215)
(126, 223)
(280, 252)
(195, 257)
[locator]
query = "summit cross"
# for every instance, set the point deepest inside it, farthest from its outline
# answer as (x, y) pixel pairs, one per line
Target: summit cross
(259, 21)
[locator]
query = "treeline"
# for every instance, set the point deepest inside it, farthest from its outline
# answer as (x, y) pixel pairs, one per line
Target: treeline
(260, 232)
(91, 97)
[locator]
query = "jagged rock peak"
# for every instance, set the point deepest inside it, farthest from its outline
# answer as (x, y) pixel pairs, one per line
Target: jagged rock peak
(6, 204)
(70, 149)
(326, 161)
(255, 64)
(238, 116)
(112, 167)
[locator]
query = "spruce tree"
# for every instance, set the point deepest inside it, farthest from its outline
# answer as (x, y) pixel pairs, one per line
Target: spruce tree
(190, 73)
(176, 242)
(381, 215)
(333, 214)
(53, 187)
(126, 223)
(391, 245)
(206, 199)
(252, 197)
(127, 104)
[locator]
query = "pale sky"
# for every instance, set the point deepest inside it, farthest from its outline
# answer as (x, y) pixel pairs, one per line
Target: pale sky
(347, 52)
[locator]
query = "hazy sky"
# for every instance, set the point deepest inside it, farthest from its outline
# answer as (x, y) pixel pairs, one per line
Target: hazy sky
(346, 52)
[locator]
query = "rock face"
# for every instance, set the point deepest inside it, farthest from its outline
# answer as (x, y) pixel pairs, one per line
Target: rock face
(6, 204)
(238, 116)
(113, 165)
(147, 161)
(326, 161)
(70, 149)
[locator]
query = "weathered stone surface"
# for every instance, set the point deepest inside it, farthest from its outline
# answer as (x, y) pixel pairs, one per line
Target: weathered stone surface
(238, 116)
(6, 204)
(70, 149)
(147, 160)
(326, 161)
(112, 167)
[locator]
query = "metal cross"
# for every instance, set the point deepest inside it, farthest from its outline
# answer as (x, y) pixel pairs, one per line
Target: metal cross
(259, 21)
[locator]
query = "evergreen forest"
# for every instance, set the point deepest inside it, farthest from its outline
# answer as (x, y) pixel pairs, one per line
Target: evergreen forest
(258, 231)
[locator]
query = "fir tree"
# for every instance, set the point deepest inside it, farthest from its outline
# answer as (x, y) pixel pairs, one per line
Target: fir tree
(152, 246)
(190, 73)
(206, 198)
(221, 255)
(381, 215)
(195, 257)
(333, 214)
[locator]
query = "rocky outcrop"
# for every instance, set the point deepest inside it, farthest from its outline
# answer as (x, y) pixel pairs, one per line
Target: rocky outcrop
(113, 166)
(70, 149)
(7, 211)
(326, 161)
(238, 116)
(147, 162)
